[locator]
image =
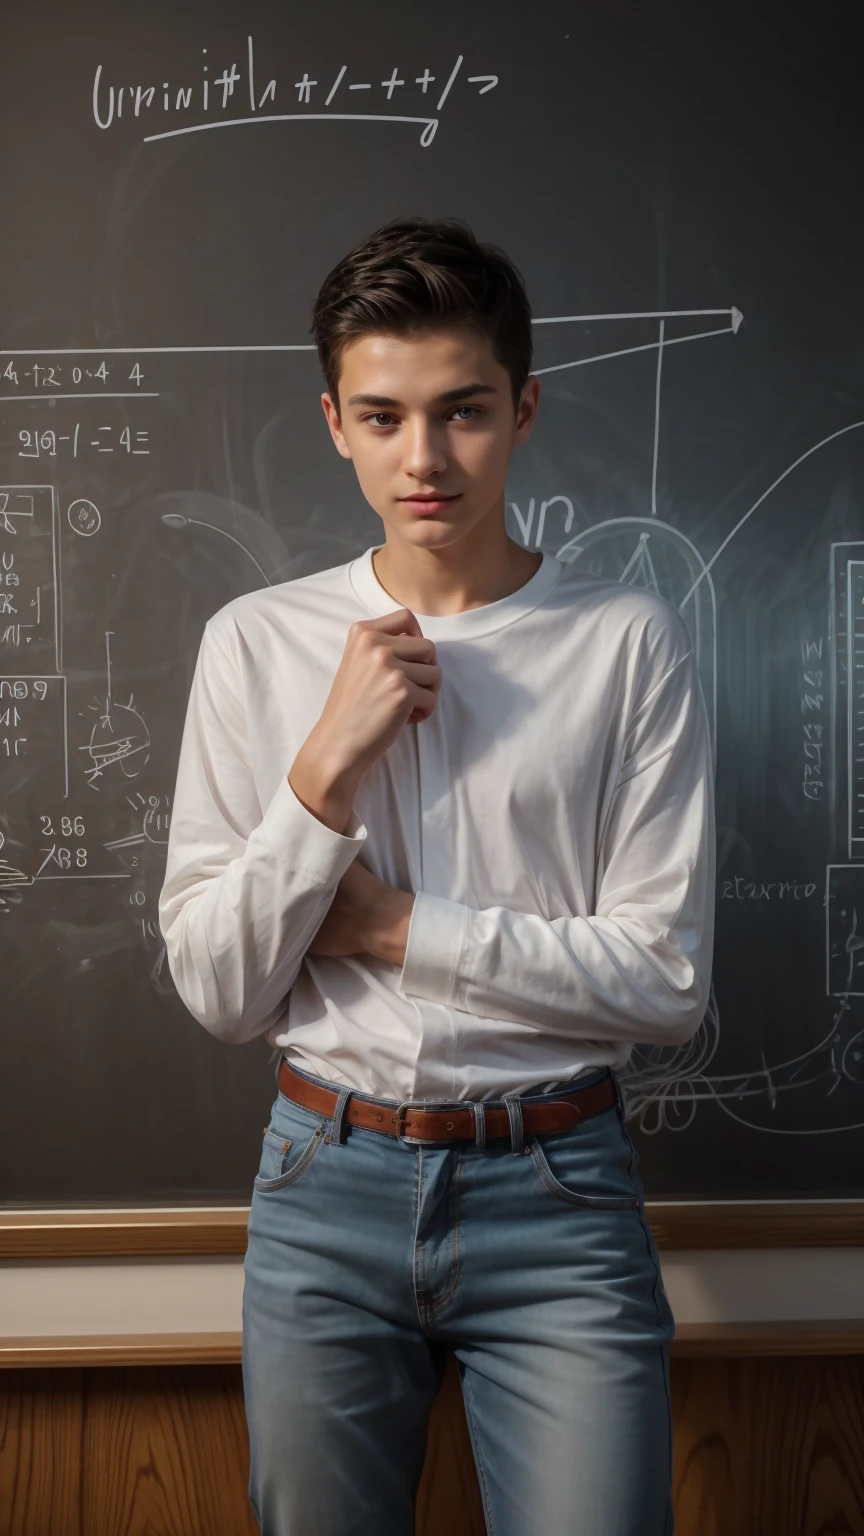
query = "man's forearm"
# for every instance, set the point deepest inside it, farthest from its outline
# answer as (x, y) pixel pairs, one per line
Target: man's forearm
(325, 787)
(385, 929)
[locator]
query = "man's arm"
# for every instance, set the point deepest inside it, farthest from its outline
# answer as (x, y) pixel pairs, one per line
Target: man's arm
(638, 968)
(244, 892)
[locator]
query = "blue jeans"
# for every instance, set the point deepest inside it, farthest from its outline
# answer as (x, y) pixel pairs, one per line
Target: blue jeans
(537, 1270)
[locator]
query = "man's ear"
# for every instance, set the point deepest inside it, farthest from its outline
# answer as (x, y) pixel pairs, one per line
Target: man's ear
(529, 404)
(331, 411)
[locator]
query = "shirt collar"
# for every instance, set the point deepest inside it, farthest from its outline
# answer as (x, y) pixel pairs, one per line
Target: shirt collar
(471, 621)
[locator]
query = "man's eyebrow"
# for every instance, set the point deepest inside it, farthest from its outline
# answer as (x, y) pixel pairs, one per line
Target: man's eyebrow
(383, 402)
(467, 389)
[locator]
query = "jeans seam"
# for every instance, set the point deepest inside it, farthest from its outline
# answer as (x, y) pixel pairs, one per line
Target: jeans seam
(670, 1442)
(478, 1459)
(457, 1255)
(570, 1197)
(422, 1316)
(670, 1518)
(644, 1225)
(295, 1172)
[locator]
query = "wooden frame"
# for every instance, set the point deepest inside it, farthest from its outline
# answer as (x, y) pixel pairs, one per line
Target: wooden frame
(148, 1232)
(177, 1231)
(829, 1336)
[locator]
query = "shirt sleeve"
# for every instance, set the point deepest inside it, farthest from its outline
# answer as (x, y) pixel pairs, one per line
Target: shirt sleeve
(245, 889)
(639, 967)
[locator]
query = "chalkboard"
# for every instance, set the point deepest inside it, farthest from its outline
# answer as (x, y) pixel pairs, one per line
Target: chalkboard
(681, 190)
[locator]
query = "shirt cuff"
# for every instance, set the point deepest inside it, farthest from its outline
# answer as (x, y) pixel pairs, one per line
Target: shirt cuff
(307, 844)
(436, 934)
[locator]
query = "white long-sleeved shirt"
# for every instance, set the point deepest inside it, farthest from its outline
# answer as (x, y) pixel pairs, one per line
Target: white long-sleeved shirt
(554, 815)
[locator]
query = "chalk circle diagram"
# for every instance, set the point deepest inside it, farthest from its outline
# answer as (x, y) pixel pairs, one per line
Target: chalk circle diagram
(84, 517)
(120, 736)
(666, 1084)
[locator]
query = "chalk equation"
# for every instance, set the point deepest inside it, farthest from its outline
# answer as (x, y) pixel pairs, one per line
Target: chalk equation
(51, 378)
(214, 92)
(46, 443)
(740, 888)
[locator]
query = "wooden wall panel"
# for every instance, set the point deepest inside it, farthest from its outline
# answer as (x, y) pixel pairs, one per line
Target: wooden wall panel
(763, 1447)
(140, 1451)
(173, 1445)
(41, 1424)
(773, 1447)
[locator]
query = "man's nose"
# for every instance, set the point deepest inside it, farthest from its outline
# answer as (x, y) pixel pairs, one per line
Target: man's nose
(424, 451)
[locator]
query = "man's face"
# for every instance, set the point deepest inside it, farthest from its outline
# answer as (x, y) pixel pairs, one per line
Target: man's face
(429, 422)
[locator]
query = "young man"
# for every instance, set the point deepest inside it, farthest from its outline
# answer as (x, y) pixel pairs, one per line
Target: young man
(443, 833)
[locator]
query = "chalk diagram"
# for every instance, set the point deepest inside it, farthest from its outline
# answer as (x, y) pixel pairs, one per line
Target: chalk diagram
(119, 735)
(664, 1085)
(11, 878)
(33, 691)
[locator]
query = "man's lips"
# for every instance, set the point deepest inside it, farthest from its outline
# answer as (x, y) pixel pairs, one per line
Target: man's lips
(427, 504)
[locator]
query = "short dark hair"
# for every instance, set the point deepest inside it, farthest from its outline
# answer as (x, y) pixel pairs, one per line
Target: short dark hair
(416, 274)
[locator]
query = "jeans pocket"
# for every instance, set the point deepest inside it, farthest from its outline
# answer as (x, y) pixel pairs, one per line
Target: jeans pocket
(590, 1166)
(289, 1146)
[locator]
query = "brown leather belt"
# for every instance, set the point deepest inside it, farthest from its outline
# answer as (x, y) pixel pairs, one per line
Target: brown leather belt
(417, 1121)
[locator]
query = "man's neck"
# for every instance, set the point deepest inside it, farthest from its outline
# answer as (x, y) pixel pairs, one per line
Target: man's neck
(469, 573)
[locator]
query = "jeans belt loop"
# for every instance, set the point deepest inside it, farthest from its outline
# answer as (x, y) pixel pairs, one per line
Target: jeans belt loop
(479, 1124)
(337, 1124)
(619, 1093)
(517, 1129)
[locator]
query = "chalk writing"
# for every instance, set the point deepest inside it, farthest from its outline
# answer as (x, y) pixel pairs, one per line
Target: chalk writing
(28, 610)
(32, 722)
(212, 93)
(812, 697)
(54, 376)
(741, 889)
(45, 443)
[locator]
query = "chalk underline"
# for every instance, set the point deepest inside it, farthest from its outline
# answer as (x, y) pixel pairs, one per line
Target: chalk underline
(430, 124)
(144, 394)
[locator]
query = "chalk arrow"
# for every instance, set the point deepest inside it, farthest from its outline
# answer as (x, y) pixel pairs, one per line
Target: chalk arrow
(637, 314)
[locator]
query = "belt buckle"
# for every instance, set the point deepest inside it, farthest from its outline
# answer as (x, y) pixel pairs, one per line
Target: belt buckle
(421, 1104)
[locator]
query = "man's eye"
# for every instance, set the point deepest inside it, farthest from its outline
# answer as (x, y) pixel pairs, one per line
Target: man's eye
(473, 411)
(381, 419)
